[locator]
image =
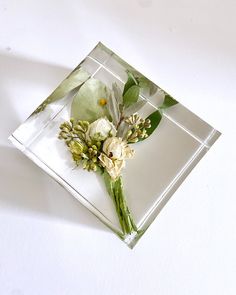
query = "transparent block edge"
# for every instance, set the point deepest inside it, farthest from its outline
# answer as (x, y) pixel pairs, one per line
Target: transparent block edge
(130, 240)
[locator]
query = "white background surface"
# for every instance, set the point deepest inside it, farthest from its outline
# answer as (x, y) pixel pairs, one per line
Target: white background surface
(49, 243)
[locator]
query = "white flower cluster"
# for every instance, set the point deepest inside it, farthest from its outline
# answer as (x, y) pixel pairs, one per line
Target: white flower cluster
(100, 129)
(114, 151)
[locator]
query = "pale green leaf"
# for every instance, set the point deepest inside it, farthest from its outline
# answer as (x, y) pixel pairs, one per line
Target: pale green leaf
(147, 86)
(117, 93)
(74, 80)
(85, 105)
(168, 102)
(131, 81)
(113, 109)
(131, 96)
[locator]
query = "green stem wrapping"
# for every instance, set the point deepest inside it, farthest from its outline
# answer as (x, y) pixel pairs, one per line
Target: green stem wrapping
(115, 190)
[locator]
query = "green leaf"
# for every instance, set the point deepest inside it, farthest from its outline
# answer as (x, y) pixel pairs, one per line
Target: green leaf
(85, 105)
(74, 80)
(131, 96)
(168, 102)
(130, 82)
(147, 85)
(117, 93)
(113, 109)
(155, 119)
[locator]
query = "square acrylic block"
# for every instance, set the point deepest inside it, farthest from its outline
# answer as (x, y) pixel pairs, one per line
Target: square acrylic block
(177, 145)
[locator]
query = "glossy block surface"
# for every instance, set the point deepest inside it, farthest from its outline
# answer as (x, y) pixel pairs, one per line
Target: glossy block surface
(160, 165)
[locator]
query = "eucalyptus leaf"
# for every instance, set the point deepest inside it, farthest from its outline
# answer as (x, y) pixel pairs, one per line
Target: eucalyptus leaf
(86, 103)
(155, 119)
(131, 96)
(169, 101)
(113, 109)
(117, 93)
(130, 82)
(74, 80)
(148, 86)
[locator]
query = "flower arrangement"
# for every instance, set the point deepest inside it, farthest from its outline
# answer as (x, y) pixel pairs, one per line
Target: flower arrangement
(103, 128)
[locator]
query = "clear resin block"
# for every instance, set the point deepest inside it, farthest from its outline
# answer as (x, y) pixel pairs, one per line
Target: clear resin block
(159, 166)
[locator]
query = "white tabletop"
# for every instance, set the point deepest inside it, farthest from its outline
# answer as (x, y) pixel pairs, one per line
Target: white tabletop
(49, 243)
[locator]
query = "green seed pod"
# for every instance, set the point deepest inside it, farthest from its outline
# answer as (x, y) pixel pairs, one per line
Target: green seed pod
(95, 168)
(141, 125)
(65, 129)
(139, 132)
(64, 135)
(92, 165)
(85, 124)
(66, 125)
(84, 164)
(76, 147)
(135, 134)
(84, 156)
(134, 140)
(129, 133)
(98, 144)
(143, 133)
(78, 128)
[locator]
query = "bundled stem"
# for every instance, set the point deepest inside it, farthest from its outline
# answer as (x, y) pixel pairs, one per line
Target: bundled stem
(115, 190)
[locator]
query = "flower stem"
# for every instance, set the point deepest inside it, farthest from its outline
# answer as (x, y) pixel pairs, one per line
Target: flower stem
(115, 190)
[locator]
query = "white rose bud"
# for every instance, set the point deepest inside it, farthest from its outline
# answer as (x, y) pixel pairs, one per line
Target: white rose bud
(113, 167)
(100, 129)
(115, 151)
(116, 148)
